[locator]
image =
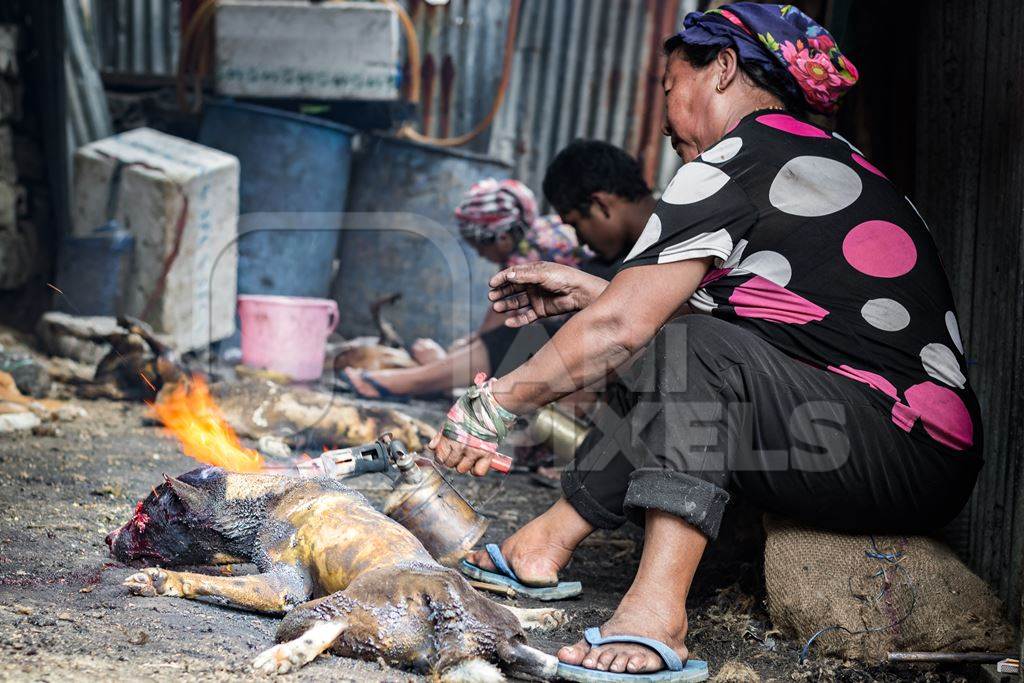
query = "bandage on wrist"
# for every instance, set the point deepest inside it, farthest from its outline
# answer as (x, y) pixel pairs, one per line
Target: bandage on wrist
(477, 420)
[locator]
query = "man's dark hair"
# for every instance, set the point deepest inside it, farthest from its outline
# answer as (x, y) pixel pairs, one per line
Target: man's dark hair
(774, 81)
(589, 166)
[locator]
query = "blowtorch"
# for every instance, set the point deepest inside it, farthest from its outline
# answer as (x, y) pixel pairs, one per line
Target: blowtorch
(381, 456)
(423, 500)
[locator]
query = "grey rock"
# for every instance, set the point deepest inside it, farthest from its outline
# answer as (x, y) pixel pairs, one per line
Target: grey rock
(29, 375)
(76, 337)
(16, 422)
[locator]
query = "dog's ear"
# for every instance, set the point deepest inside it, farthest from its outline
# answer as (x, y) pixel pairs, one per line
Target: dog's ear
(193, 498)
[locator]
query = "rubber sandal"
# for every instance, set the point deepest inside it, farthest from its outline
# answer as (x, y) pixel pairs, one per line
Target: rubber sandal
(383, 393)
(674, 672)
(507, 577)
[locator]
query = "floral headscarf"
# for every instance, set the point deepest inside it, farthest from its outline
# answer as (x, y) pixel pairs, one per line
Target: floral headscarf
(549, 239)
(779, 38)
(493, 207)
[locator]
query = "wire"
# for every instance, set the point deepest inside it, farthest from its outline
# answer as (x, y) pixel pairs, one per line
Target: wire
(890, 560)
(410, 133)
(412, 42)
(194, 55)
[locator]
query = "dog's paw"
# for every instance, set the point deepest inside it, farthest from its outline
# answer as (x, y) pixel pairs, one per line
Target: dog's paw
(282, 658)
(289, 656)
(542, 619)
(273, 660)
(154, 581)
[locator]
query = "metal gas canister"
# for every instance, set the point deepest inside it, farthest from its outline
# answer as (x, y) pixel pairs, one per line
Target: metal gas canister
(425, 503)
(558, 431)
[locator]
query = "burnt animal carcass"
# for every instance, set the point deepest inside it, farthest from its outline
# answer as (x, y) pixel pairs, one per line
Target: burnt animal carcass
(348, 578)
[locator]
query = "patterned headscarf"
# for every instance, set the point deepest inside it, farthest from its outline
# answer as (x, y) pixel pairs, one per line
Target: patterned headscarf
(549, 239)
(493, 207)
(779, 38)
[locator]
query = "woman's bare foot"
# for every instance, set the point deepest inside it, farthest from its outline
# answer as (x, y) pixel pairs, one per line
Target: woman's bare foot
(637, 615)
(427, 351)
(543, 547)
(654, 606)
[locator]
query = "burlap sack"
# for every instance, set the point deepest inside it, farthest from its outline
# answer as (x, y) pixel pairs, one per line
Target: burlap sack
(893, 593)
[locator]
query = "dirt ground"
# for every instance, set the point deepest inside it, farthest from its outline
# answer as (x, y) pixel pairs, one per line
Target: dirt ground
(65, 616)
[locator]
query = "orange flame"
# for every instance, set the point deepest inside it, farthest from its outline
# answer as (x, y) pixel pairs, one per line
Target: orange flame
(190, 414)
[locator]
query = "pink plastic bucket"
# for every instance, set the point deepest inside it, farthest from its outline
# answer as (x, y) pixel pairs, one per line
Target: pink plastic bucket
(286, 333)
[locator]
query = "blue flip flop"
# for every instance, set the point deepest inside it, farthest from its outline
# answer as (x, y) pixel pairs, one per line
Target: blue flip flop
(383, 393)
(674, 672)
(507, 577)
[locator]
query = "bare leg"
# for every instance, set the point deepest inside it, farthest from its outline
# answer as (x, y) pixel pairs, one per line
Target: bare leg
(289, 656)
(454, 370)
(427, 351)
(655, 605)
(257, 592)
(539, 550)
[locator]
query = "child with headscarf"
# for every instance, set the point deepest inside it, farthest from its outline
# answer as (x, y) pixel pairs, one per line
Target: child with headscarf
(499, 219)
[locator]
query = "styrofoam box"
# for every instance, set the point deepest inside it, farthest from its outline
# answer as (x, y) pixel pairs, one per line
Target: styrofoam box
(333, 51)
(161, 173)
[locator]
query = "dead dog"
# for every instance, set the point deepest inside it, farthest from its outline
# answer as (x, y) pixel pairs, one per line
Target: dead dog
(348, 578)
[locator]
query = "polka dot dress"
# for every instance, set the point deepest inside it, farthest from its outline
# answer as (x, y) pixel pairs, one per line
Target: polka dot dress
(817, 252)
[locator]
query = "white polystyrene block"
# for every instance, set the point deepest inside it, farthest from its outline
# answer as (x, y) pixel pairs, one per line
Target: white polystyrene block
(330, 51)
(163, 176)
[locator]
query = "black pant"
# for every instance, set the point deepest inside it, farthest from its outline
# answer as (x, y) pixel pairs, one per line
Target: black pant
(509, 347)
(712, 408)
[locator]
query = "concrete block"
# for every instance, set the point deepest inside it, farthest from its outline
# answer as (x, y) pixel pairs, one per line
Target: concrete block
(29, 159)
(8, 205)
(8, 50)
(13, 204)
(8, 171)
(19, 254)
(164, 178)
(10, 101)
(333, 51)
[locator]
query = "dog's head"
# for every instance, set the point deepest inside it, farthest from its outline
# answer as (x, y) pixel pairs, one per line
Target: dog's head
(184, 521)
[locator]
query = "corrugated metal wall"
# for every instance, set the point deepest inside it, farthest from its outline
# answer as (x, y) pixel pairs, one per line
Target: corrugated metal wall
(462, 44)
(88, 115)
(970, 187)
(581, 69)
(589, 70)
(136, 37)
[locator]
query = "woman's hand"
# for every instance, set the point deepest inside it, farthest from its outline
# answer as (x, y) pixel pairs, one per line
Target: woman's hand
(463, 458)
(531, 291)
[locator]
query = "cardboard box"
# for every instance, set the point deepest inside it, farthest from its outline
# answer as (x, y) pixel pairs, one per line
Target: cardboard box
(333, 51)
(165, 180)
